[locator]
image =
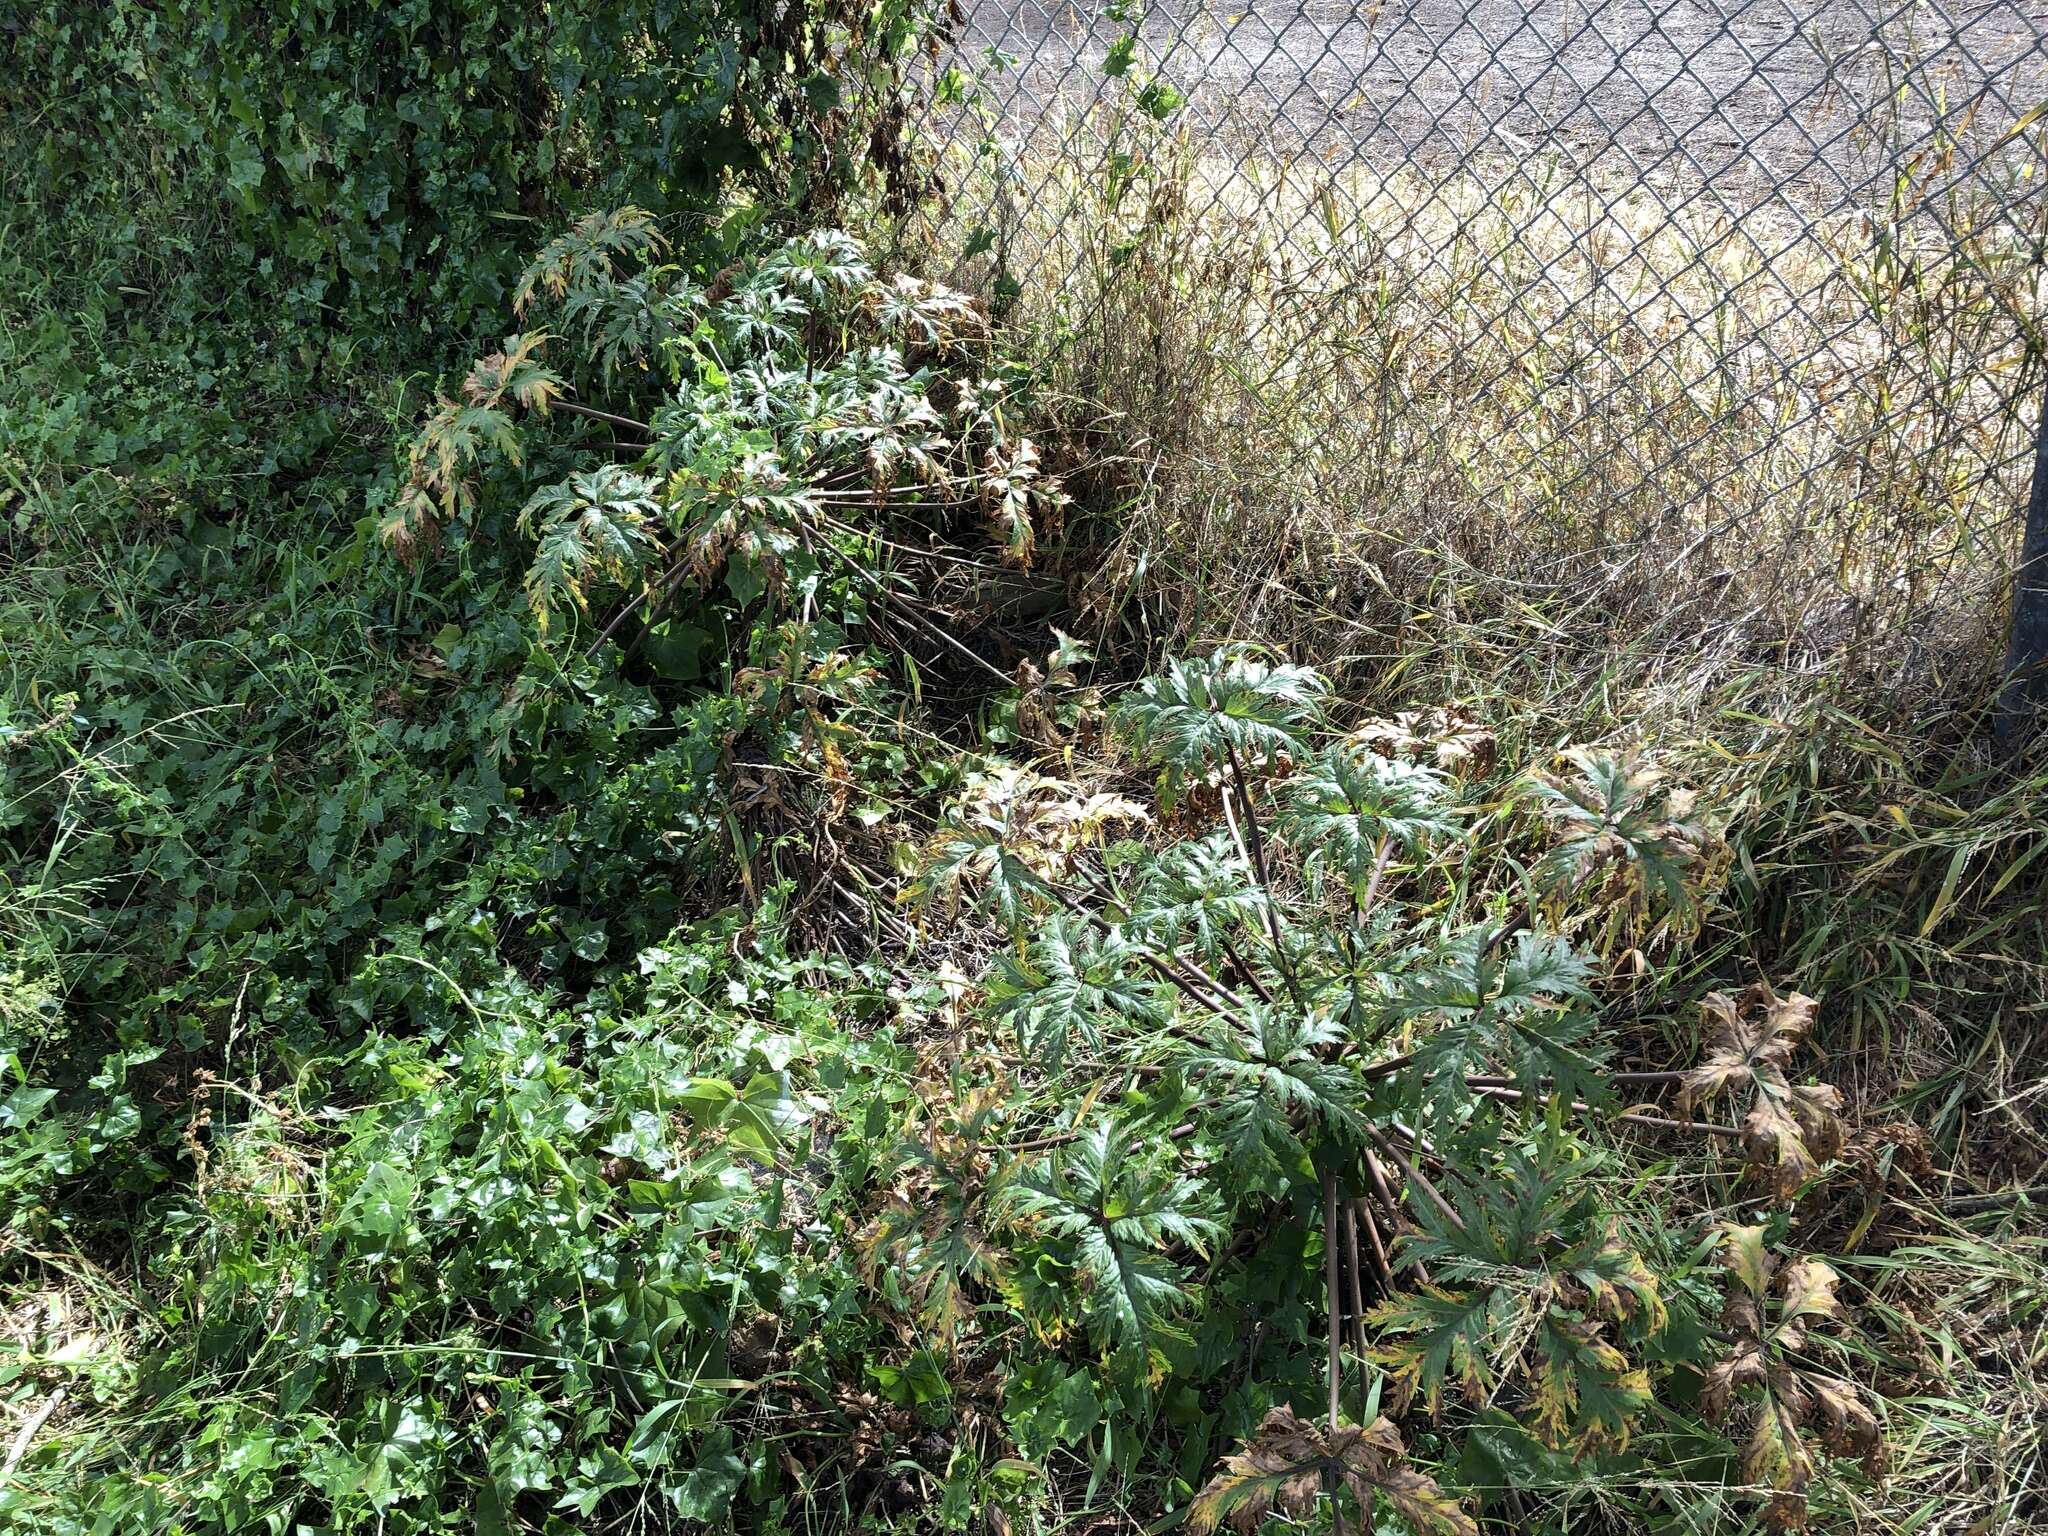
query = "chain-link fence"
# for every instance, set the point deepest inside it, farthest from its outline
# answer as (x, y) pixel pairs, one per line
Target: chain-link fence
(1740, 299)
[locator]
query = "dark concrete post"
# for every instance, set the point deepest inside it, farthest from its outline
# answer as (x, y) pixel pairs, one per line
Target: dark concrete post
(2026, 656)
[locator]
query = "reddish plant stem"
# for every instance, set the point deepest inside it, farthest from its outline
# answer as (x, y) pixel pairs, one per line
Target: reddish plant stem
(1384, 1190)
(1352, 1254)
(1417, 1179)
(1330, 1286)
(1655, 1122)
(1480, 1080)
(605, 416)
(1241, 787)
(1381, 1268)
(1251, 977)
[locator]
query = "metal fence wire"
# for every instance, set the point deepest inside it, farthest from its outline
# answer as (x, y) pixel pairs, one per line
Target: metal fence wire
(1744, 292)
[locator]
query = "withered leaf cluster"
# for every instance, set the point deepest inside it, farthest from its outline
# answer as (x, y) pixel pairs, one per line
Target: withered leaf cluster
(1790, 1128)
(1770, 1312)
(1281, 1470)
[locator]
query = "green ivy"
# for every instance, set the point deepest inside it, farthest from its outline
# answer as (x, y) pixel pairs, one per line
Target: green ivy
(366, 159)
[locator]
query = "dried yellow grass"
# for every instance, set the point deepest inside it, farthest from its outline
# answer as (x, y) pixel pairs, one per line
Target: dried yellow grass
(1749, 427)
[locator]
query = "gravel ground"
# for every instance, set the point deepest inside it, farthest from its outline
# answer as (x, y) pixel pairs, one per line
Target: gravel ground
(1765, 91)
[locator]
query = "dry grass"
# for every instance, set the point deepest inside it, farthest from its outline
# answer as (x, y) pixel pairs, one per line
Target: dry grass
(1758, 435)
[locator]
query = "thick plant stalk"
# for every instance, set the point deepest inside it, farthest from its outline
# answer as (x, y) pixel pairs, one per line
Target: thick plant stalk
(594, 414)
(26, 1437)
(1382, 1270)
(1330, 1284)
(881, 593)
(1380, 856)
(1417, 1179)
(1655, 1122)
(1354, 1263)
(1190, 983)
(2026, 656)
(1385, 1193)
(1251, 977)
(1256, 852)
(1336, 1346)
(1483, 1080)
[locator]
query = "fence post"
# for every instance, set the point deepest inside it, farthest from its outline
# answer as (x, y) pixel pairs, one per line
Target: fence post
(2026, 657)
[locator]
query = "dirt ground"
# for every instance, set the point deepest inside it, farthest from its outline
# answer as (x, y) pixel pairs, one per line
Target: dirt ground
(1770, 92)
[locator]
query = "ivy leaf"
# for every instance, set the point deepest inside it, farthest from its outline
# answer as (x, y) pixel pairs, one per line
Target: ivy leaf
(706, 1492)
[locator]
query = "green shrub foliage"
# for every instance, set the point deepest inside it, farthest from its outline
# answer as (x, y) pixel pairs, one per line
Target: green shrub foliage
(393, 159)
(546, 1013)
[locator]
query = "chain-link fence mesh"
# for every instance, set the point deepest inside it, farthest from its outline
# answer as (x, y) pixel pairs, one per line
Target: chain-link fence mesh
(1736, 298)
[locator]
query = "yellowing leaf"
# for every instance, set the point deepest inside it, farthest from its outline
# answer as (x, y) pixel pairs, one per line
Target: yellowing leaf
(1424, 1505)
(1809, 1290)
(1743, 1251)
(1783, 1394)
(1776, 1459)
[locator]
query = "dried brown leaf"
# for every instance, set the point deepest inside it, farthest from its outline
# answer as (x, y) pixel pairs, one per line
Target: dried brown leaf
(1744, 1367)
(1280, 1471)
(1847, 1426)
(1757, 1033)
(1447, 736)
(1424, 1505)
(1790, 1128)
(1787, 1396)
